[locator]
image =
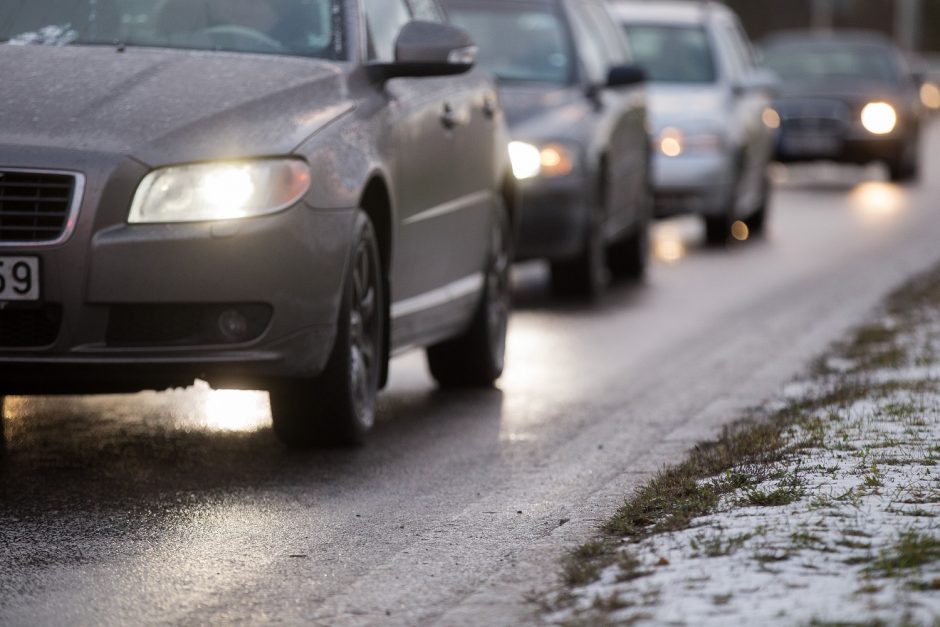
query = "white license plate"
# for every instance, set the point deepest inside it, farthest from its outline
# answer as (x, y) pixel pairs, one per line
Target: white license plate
(19, 279)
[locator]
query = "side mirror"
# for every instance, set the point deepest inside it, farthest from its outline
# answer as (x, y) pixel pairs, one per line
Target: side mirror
(428, 49)
(625, 75)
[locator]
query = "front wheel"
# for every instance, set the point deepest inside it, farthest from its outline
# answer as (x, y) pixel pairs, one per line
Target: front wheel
(585, 276)
(338, 407)
(628, 258)
(476, 358)
(906, 166)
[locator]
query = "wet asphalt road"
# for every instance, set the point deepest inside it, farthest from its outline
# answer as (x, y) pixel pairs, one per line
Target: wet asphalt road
(181, 506)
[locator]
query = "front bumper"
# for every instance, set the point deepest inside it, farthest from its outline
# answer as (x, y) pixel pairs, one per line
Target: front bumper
(554, 218)
(125, 293)
(811, 140)
(692, 183)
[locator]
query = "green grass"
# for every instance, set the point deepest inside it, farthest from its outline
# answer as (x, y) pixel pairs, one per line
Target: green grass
(912, 550)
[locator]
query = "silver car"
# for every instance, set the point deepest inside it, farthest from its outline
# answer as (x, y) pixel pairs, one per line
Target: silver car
(710, 106)
(274, 194)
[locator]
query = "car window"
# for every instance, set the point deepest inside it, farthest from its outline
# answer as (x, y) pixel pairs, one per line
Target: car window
(428, 10)
(517, 42)
(614, 47)
(673, 54)
(733, 64)
(808, 61)
(590, 51)
(385, 19)
(297, 27)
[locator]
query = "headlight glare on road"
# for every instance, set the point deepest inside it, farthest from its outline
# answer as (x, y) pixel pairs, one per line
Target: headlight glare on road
(219, 191)
(879, 118)
(526, 160)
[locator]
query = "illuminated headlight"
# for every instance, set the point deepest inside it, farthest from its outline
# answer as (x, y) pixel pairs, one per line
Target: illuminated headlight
(219, 191)
(879, 118)
(526, 160)
(552, 160)
(930, 95)
(672, 142)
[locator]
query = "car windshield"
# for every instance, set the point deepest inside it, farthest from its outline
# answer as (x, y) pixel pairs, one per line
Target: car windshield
(518, 43)
(295, 27)
(672, 54)
(811, 62)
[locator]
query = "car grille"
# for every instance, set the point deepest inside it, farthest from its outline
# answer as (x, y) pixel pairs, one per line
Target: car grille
(29, 328)
(34, 206)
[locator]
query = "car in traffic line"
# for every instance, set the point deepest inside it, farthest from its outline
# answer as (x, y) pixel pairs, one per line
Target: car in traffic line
(709, 102)
(253, 193)
(577, 116)
(847, 96)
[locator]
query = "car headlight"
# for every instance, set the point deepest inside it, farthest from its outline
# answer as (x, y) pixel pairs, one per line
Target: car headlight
(930, 95)
(673, 142)
(879, 118)
(550, 161)
(219, 191)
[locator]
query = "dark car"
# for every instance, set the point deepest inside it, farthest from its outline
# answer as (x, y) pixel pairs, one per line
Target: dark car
(252, 192)
(847, 97)
(580, 148)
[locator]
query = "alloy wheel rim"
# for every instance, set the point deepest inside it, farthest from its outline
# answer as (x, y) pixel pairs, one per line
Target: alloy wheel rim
(498, 290)
(364, 332)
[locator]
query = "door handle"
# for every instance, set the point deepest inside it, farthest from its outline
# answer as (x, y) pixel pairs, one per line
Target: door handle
(449, 117)
(489, 109)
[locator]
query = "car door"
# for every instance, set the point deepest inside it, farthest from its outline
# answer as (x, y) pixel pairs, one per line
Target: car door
(429, 258)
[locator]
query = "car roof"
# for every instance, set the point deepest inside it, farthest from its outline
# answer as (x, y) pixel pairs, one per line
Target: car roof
(865, 37)
(669, 11)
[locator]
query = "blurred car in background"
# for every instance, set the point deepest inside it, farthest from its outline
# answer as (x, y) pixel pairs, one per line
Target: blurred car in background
(580, 148)
(709, 106)
(268, 197)
(847, 97)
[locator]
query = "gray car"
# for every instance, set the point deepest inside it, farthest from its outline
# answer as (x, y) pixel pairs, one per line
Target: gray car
(577, 115)
(710, 108)
(252, 192)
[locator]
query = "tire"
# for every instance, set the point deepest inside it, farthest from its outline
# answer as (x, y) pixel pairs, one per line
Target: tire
(628, 258)
(906, 166)
(757, 223)
(337, 408)
(717, 230)
(476, 358)
(585, 276)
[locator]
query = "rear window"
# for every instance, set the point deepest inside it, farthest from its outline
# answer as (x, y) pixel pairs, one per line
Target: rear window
(672, 54)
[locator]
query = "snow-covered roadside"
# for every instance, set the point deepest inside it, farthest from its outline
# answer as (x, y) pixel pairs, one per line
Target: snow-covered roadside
(841, 526)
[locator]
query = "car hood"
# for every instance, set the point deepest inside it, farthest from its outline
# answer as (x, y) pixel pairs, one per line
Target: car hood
(536, 112)
(164, 106)
(685, 107)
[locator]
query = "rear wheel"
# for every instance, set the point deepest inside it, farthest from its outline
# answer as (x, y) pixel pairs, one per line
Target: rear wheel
(476, 358)
(338, 407)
